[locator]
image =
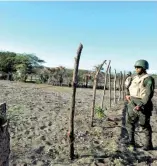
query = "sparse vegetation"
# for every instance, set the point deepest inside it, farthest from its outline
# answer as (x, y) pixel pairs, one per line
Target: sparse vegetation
(100, 113)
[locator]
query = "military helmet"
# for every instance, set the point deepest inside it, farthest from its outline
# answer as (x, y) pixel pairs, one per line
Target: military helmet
(128, 73)
(142, 63)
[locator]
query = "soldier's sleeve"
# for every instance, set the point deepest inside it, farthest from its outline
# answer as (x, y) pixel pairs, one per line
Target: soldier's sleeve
(150, 85)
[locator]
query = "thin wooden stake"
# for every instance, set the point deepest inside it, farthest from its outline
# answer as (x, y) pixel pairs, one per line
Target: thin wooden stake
(115, 80)
(120, 86)
(123, 80)
(110, 87)
(106, 74)
(71, 125)
(94, 91)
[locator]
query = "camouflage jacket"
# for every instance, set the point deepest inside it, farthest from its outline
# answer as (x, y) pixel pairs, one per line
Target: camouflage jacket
(149, 83)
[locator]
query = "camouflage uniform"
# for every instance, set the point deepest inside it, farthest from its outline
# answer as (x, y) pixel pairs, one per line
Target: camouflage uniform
(142, 116)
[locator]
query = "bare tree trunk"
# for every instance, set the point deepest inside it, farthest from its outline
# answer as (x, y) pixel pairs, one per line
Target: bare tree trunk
(110, 87)
(103, 97)
(115, 80)
(4, 137)
(94, 91)
(71, 125)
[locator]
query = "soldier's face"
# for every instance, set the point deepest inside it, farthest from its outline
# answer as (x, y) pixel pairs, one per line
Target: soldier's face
(139, 70)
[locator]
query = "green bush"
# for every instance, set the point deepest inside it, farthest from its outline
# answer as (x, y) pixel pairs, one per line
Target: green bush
(99, 112)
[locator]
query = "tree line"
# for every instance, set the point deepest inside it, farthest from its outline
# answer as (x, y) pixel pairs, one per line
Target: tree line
(22, 67)
(11, 62)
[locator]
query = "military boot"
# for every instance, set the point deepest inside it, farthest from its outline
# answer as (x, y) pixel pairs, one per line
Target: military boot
(3, 120)
(131, 142)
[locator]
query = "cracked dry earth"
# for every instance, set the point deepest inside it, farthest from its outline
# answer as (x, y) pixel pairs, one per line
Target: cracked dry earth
(39, 118)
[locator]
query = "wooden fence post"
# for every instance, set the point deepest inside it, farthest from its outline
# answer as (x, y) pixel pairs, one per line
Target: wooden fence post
(110, 87)
(123, 84)
(4, 137)
(94, 91)
(120, 86)
(74, 85)
(105, 81)
(115, 80)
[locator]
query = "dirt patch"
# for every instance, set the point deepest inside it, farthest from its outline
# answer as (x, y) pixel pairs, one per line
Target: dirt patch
(39, 118)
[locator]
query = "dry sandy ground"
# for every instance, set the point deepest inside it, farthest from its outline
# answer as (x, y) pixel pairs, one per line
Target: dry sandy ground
(39, 119)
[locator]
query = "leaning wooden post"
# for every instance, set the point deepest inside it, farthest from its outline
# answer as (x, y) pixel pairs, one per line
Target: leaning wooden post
(110, 87)
(74, 84)
(115, 80)
(4, 137)
(94, 91)
(103, 97)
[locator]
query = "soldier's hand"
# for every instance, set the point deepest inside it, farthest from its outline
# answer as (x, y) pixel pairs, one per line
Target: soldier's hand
(137, 108)
(127, 97)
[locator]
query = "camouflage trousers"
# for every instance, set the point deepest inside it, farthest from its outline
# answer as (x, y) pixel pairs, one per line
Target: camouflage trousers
(132, 117)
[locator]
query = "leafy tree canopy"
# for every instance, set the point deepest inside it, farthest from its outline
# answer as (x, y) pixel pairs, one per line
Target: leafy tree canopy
(11, 62)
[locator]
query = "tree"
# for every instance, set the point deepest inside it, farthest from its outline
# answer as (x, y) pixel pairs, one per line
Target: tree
(30, 62)
(7, 61)
(22, 63)
(27, 64)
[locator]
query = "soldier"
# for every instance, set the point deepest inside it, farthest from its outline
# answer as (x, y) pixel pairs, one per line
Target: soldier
(139, 107)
